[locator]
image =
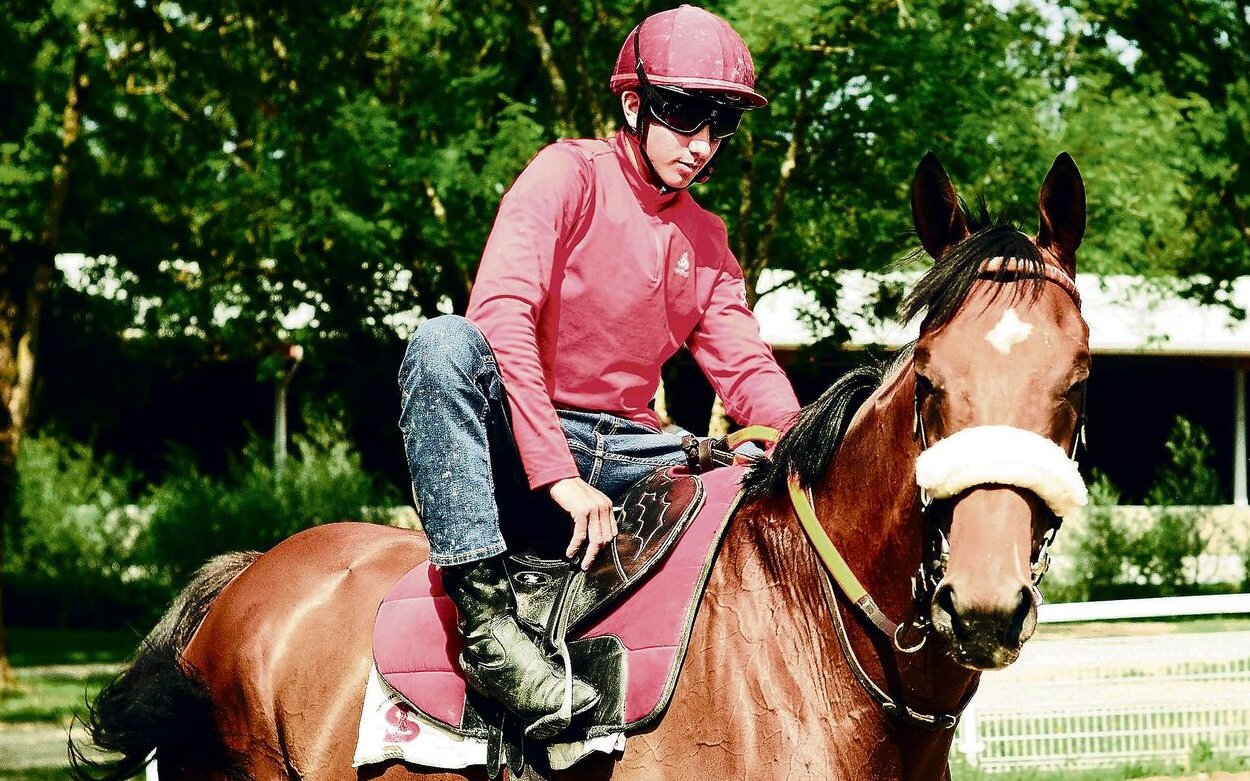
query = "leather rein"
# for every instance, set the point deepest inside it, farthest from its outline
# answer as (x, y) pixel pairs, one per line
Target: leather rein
(932, 566)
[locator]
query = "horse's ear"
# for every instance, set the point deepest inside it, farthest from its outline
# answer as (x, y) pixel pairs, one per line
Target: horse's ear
(1061, 206)
(935, 208)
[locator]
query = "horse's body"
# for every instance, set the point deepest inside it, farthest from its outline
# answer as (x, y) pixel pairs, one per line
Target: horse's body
(765, 690)
(763, 694)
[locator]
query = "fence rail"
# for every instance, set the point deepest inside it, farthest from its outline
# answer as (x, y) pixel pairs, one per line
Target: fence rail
(1075, 703)
(1161, 607)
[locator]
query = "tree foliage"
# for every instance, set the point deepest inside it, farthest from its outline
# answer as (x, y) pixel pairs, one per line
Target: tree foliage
(1184, 68)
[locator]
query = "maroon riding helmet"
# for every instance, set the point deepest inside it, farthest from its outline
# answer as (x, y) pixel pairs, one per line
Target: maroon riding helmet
(690, 68)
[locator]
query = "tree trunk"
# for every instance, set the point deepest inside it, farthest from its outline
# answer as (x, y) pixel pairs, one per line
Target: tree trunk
(26, 271)
(8, 440)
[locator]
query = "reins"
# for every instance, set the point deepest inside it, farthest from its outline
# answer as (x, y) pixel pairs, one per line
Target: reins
(932, 566)
(838, 571)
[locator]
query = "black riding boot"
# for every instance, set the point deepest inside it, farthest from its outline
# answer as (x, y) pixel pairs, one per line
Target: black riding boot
(499, 658)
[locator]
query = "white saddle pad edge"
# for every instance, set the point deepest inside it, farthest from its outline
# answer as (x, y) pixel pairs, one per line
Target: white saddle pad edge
(390, 729)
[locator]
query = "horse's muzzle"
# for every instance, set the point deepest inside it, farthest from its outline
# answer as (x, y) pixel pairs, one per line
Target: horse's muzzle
(984, 637)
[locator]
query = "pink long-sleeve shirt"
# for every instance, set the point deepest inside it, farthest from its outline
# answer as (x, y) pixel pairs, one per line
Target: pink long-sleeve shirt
(591, 279)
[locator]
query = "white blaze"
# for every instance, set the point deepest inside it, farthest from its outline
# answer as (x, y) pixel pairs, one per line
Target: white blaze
(1009, 332)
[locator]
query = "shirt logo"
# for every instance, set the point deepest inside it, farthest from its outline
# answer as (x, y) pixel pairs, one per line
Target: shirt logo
(682, 269)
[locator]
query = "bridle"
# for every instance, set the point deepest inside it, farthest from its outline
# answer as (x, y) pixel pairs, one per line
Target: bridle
(910, 636)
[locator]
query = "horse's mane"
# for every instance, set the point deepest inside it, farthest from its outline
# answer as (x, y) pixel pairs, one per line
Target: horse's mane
(809, 446)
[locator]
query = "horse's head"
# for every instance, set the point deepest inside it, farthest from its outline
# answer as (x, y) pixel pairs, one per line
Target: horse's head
(1000, 370)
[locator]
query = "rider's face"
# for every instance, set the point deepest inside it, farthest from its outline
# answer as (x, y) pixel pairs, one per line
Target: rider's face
(678, 158)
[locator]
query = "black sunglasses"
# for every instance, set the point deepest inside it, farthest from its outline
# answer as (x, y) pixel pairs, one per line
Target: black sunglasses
(683, 112)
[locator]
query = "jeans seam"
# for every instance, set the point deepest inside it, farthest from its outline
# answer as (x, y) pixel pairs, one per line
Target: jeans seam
(596, 460)
(464, 557)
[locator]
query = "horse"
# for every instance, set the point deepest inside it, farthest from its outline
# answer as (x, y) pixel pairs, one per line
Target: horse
(258, 670)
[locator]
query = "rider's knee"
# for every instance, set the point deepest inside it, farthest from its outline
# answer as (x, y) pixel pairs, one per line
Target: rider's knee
(448, 345)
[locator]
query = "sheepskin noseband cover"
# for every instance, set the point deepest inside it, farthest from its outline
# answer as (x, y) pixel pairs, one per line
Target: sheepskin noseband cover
(1005, 455)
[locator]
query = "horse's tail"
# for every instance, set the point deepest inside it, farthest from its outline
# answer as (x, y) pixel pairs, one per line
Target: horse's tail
(156, 704)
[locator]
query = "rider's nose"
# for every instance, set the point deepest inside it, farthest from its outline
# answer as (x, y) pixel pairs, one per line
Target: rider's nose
(701, 143)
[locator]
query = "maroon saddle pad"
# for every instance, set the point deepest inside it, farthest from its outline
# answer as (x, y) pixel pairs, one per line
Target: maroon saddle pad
(631, 650)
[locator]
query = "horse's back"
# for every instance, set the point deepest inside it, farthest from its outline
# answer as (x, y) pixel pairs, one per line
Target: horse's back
(287, 645)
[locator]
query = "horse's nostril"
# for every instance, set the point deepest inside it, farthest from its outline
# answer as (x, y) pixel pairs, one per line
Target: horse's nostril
(944, 598)
(1025, 604)
(1020, 628)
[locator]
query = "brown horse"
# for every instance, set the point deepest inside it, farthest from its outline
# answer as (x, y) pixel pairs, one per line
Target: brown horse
(263, 661)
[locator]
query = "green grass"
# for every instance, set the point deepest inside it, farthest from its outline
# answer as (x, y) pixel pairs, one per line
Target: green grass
(961, 772)
(53, 697)
(1202, 760)
(1117, 774)
(1161, 626)
(58, 671)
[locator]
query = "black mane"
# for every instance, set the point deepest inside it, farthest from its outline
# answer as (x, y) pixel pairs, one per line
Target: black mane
(809, 446)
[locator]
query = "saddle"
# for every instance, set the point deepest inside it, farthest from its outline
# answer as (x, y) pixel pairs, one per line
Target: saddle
(624, 624)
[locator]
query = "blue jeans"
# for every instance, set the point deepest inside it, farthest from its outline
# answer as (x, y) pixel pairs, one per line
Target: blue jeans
(468, 482)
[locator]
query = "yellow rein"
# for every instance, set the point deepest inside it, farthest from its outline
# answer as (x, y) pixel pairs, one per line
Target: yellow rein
(834, 563)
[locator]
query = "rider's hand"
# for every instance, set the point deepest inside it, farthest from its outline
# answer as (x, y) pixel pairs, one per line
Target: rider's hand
(592, 516)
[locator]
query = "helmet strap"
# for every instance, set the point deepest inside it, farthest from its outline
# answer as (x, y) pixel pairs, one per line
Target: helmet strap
(642, 125)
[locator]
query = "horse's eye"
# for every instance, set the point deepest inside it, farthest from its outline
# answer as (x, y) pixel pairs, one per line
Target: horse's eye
(924, 386)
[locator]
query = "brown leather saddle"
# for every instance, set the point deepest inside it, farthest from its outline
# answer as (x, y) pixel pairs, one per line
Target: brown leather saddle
(554, 600)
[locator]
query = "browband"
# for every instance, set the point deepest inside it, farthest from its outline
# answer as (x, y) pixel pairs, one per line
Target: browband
(997, 267)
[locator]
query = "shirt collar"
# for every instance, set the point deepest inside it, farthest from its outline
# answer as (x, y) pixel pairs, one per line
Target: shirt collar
(647, 192)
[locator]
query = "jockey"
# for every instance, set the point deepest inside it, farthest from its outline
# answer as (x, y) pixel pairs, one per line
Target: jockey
(600, 266)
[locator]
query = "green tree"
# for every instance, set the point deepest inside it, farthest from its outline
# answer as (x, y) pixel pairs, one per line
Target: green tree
(45, 78)
(1184, 484)
(1192, 61)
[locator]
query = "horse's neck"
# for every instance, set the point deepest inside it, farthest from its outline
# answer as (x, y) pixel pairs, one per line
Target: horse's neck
(756, 697)
(765, 690)
(869, 506)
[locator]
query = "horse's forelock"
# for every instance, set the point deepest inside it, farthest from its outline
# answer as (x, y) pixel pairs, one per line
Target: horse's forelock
(943, 288)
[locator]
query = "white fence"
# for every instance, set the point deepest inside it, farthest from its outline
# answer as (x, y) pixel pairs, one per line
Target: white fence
(1107, 701)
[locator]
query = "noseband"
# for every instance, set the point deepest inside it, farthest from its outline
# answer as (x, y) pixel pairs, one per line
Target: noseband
(1053, 476)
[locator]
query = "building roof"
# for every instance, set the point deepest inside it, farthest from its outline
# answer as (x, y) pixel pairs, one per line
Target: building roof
(1127, 315)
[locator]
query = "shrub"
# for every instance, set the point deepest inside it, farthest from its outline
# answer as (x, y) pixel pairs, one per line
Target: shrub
(89, 548)
(74, 551)
(1104, 546)
(1115, 560)
(1187, 477)
(1167, 554)
(254, 506)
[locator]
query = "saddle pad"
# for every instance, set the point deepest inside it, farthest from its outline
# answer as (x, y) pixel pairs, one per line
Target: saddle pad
(416, 645)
